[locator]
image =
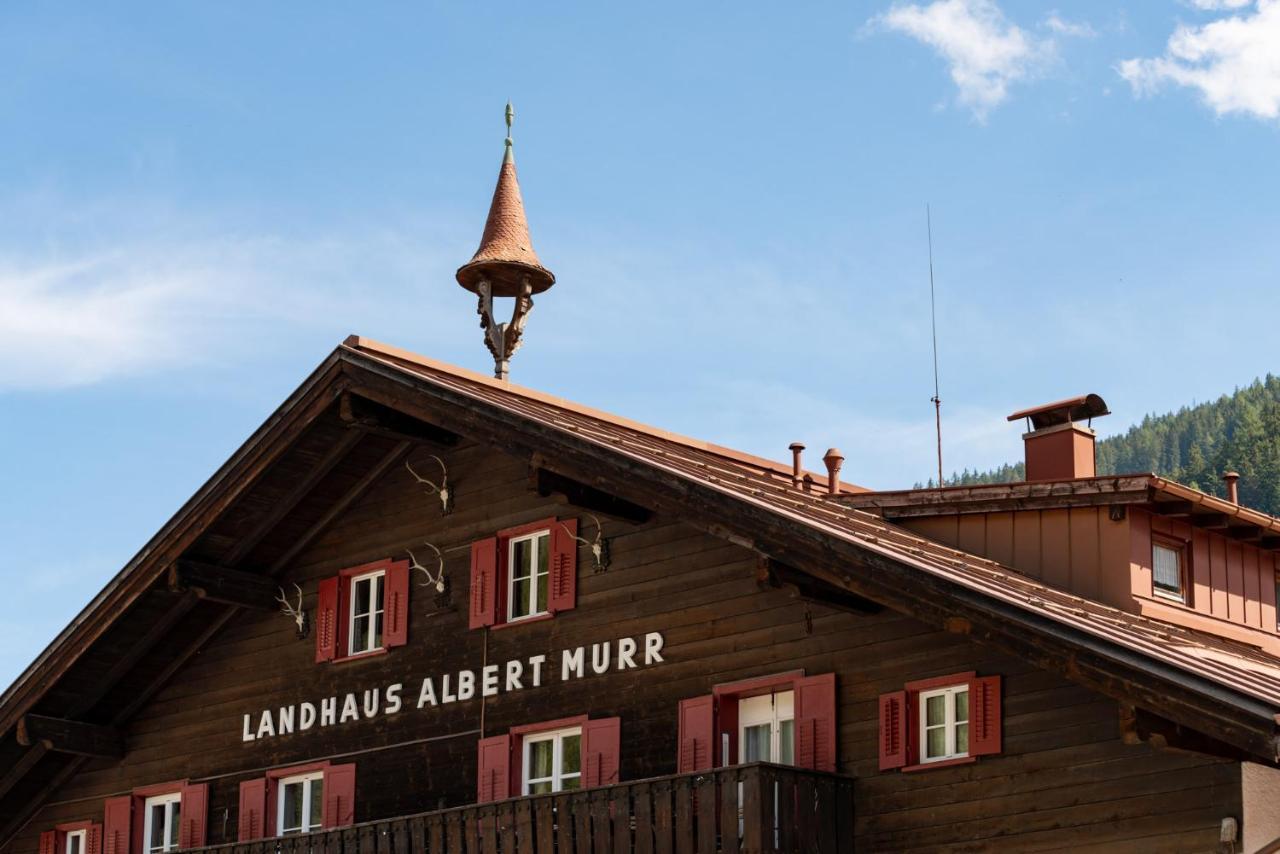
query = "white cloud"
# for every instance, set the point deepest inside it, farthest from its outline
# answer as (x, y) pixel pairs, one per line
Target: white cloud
(985, 51)
(1063, 27)
(1233, 62)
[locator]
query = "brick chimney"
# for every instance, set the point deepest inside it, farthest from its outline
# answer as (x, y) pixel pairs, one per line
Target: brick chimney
(1058, 446)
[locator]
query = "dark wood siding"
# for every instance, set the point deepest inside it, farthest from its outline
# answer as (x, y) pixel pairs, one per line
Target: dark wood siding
(1065, 778)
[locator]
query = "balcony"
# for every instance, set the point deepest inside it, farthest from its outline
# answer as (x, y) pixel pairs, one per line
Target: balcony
(740, 810)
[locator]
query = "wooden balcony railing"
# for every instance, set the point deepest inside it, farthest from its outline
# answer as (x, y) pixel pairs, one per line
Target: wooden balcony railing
(746, 809)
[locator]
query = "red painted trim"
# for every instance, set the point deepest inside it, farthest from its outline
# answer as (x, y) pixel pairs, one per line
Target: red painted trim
(280, 773)
(757, 685)
(941, 763)
(522, 621)
(72, 827)
(545, 726)
(364, 568)
(521, 530)
(160, 789)
(955, 679)
(359, 656)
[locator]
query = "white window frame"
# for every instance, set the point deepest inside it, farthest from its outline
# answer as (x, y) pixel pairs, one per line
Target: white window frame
(1179, 552)
(376, 607)
(535, 537)
(306, 780)
(170, 828)
(779, 709)
(557, 736)
(82, 835)
(948, 725)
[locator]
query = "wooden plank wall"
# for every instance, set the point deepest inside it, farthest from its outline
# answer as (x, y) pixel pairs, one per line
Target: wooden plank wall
(1065, 779)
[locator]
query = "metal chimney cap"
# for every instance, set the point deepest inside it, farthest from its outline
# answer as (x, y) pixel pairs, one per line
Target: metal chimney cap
(1064, 411)
(832, 454)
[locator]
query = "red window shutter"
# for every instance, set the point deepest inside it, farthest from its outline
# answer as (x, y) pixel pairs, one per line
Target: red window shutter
(396, 605)
(93, 844)
(893, 730)
(339, 796)
(117, 818)
(562, 594)
(252, 815)
(194, 815)
(816, 734)
(697, 733)
(484, 582)
(493, 778)
(601, 751)
(327, 620)
(984, 716)
(49, 842)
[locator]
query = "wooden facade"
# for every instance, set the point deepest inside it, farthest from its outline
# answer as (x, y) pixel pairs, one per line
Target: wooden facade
(1067, 772)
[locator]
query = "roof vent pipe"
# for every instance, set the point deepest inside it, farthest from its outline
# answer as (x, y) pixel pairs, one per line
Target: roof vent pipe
(1232, 479)
(797, 448)
(833, 459)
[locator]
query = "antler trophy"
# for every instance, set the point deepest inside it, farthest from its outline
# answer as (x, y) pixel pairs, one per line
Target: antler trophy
(298, 615)
(599, 546)
(437, 580)
(442, 490)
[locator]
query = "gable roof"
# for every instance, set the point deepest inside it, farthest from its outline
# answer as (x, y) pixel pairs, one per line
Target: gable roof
(1226, 690)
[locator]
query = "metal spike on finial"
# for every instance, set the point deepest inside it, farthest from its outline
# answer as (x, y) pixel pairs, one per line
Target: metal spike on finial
(511, 114)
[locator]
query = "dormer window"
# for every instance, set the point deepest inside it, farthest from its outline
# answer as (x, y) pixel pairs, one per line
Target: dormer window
(1168, 569)
(529, 574)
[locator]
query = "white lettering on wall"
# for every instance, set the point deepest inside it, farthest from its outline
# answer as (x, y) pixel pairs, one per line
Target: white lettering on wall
(393, 699)
(571, 663)
(306, 716)
(653, 648)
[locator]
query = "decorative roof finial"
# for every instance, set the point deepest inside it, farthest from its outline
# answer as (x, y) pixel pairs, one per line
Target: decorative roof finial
(505, 265)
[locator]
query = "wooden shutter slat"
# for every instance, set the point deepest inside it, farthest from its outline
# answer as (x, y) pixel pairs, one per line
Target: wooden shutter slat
(484, 582)
(697, 729)
(601, 751)
(194, 815)
(984, 716)
(493, 778)
(93, 839)
(563, 586)
(49, 842)
(117, 818)
(252, 815)
(816, 733)
(327, 620)
(339, 796)
(893, 730)
(396, 605)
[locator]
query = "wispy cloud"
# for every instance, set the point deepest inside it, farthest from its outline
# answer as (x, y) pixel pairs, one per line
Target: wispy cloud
(1233, 61)
(985, 51)
(1076, 29)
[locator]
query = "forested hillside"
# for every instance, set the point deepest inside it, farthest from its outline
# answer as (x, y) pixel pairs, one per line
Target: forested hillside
(1194, 445)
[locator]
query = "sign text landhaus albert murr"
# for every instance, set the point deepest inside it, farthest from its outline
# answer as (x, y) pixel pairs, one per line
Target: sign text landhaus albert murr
(513, 675)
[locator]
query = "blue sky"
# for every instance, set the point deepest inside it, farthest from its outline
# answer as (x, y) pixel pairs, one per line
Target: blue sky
(196, 206)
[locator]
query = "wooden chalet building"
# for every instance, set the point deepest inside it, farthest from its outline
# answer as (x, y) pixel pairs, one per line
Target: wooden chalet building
(426, 610)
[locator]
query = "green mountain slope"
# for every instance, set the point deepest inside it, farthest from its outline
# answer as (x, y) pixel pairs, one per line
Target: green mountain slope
(1195, 445)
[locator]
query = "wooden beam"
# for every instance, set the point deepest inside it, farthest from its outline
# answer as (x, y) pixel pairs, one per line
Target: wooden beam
(1139, 726)
(548, 483)
(1173, 508)
(1270, 541)
(221, 584)
(64, 736)
(813, 590)
(1210, 521)
(361, 414)
(1244, 533)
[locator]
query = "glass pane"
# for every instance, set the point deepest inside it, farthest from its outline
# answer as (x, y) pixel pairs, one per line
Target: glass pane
(377, 631)
(317, 803)
(569, 783)
(541, 604)
(935, 742)
(571, 759)
(787, 742)
(962, 706)
(542, 788)
(377, 593)
(175, 821)
(935, 710)
(520, 598)
(73, 844)
(1167, 575)
(291, 819)
(360, 634)
(156, 841)
(362, 596)
(540, 760)
(755, 743)
(522, 559)
(962, 738)
(544, 543)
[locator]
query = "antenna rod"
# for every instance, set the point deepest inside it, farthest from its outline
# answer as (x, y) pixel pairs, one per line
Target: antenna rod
(933, 318)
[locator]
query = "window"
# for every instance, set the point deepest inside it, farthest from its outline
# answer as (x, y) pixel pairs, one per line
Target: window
(767, 728)
(944, 723)
(76, 842)
(1167, 569)
(161, 814)
(528, 575)
(553, 761)
(300, 805)
(366, 612)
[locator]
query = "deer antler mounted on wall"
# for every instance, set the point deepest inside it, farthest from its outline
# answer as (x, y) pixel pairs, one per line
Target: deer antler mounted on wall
(298, 615)
(599, 546)
(442, 490)
(437, 580)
